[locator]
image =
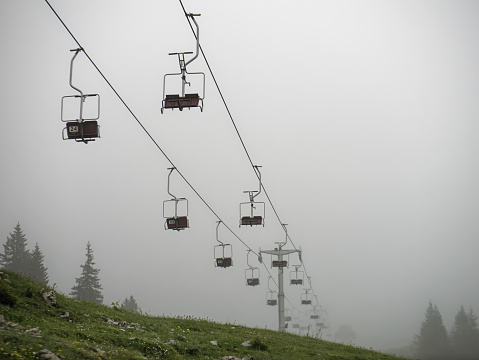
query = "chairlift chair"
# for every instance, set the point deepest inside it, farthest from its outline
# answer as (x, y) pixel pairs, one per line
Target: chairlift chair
(184, 101)
(223, 252)
(271, 299)
(296, 277)
(252, 212)
(314, 315)
(83, 128)
(306, 298)
(222, 260)
(252, 273)
(176, 215)
(287, 315)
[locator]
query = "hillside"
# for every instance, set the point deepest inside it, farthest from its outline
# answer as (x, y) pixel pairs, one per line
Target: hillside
(30, 328)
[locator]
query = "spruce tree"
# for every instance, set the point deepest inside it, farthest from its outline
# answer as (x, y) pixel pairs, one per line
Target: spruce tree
(16, 255)
(88, 284)
(37, 270)
(130, 304)
(432, 341)
(464, 336)
(474, 334)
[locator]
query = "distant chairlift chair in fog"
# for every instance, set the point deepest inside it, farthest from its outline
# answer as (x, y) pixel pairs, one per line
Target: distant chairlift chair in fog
(223, 252)
(296, 277)
(271, 296)
(306, 297)
(176, 218)
(287, 315)
(252, 273)
(252, 212)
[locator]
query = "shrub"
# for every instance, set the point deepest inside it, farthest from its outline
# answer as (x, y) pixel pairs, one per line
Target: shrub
(258, 344)
(7, 297)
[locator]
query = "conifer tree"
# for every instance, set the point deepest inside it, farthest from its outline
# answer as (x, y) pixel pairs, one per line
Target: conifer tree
(88, 284)
(130, 304)
(432, 341)
(474, 334)
(465, 336)
(16, 255)
(36, 269)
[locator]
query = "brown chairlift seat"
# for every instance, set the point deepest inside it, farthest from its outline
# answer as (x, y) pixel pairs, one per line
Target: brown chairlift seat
(272, 302)
(252, 220)
(252, 281)
(83, 130)
(177, 223)
(224, 262)
(296, 282)
(180, 102)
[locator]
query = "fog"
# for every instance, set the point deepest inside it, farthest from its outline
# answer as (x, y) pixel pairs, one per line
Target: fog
(362, 114)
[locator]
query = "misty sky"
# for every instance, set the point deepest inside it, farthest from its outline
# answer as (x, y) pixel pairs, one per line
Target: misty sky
(362, 114)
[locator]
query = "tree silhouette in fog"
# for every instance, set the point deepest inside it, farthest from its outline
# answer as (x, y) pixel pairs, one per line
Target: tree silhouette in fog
(15, 257)
(36, 269)
(19, 259)
(130, 304)
(88, 284)
(465, 336)
(345, 334)
(432, 343)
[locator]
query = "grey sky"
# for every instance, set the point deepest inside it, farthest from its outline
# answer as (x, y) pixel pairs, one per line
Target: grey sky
(363, 115)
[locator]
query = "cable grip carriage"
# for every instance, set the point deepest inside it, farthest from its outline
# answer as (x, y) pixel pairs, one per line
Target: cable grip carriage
(223, 252)
(185, 101)
(252, 273)
(175, 210)
(252, 212)
(83, 128)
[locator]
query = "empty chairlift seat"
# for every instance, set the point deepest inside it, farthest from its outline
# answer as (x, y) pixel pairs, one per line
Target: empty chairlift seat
(180, 102)
(306, 302)
(252, 220)
(83, 130)
(177, 223)
(272, 302)
(252, 281)
(224, 262)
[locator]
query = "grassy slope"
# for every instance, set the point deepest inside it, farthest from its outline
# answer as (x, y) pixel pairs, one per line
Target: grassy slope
(87, 334)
